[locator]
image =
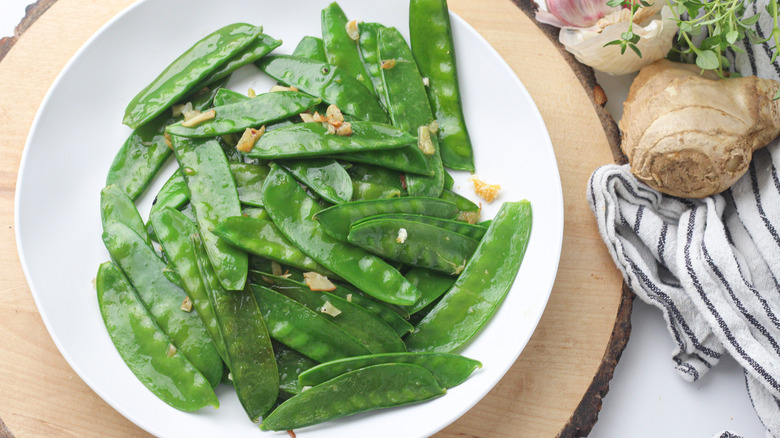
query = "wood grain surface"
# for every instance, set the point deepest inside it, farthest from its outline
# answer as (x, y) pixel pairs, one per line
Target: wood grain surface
(553, 388)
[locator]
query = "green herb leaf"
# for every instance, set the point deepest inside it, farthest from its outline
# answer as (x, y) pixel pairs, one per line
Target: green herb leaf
(732, 36)
(707, 60)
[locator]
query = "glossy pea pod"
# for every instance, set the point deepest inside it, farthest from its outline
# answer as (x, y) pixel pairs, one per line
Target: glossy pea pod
(290, 364)
(145, 348)
(249, 182)
(116, 206)
(467, 210)
(304, 330)
(481, 287)
(145, 150)
(312, 139)
(247, 342)
(236, 117)
(261, 46)
(366, 191)
(337, 220)
(431, 38)
(340, 49)
(325, 177)
(431, 285)
(327, 82)
(409, 109)
(174, 231)
(371, 331)
(450, 370)
(292, 211)
(414, 243)
(214, 196)
(370, 388)
(311, 48)
(373, 182)
(188, 71)
(262, 238)
(469, 230)
(369, 53)
(164, 299)
(409, 159)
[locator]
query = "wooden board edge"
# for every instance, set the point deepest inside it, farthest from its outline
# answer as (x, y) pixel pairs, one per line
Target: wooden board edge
(31, 13)
(4, 432)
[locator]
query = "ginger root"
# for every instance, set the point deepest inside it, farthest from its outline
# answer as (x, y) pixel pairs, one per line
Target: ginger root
(692, 135)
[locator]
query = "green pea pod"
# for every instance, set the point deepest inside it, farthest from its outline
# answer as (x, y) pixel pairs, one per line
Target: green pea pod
(366, 191)
(481, 287)
(173, 193)
(173, 231)
(365, 389)
(227, 96)
(249, 352)
(312, 139)
(376, 175)
(450, 370)
(327, 82)
(467, 210)
(259, 47)
(145, 150)
(337, 220)
(371, 331)
(214, 197)
(292, 210)
(325, 177)
(409, 109)
(340, 49)
(116, 206)
(163, 298)
(409, 159)
(469, 230)
(431, 38)
(249, 182)
(368, 48)
(414, 243)
(431, 285)
(188, 71)
(236, 117)
(312, 48)
(145, 348)
(255, 213)
(448, 181)
(304, 330)
(290, 364)
(262, 238)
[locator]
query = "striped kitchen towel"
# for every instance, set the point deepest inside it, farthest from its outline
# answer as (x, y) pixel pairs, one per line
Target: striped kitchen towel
(711, 265)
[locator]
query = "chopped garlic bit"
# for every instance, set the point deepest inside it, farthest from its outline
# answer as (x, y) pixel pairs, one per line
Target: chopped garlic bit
(189, 171)
(387, 64)
(251, 92)
(94, 283)
(345, 129)
(318, 282)
(317, 117)
(330, 309)
(426, 81)
(352, 30)
(305, 388)
(171, 350)
(276, 269)
(433, 127)
(276, 88)
(402, 235)
(230, 376)
(167, 139)
(424, 141)
(486, 191)
(194, 118)
(249, 138)
(181, 108)
(471, 217)
(307, 117)
(334, 115)
(331, 129)
(186, 305)
(349, 298)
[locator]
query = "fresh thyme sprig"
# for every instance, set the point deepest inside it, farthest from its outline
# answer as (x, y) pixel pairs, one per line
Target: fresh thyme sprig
(628, 39)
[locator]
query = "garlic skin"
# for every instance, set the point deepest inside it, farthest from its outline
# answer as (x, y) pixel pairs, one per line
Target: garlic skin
(574, 13)
(656, 31)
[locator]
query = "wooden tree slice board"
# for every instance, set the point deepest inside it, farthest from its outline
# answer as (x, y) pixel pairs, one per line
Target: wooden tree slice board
(556, 385)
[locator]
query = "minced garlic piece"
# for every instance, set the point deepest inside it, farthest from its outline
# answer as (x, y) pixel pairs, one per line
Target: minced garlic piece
(251, 92)
(471, 217)
(317, 117)
(330, 309)
(194, 118)
(334, 115)
(426, 81)
(249, 138)
(186, 305)
(318, 282)
(171, 350)
(167, 140)
(352, 30)
(345, 129)
(276, 88)
(402, 235)
(433, 127)
(305, 388)
(307, 117)
(349, 298)
(387, 64)
(424, 141)
(331, 129)
(181, 108)
(486, 191)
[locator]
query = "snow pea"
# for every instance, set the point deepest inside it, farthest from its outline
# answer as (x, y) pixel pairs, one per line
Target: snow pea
(259, 47)
(249, 181)
(431, 285)
(236, 117)
(173, 231)
(187, 71)
(365, 191)
(163, 298)
(255, 213)
(145, 347)
(449, 182)
(290, 364)
(145, 150)
(292, 209)
(371, 331)
(327, 82)
(249, 351)
(337, 220)
(389, 316)
(214, 196)
(450, 370)
(408, 106)
(377, 175)
(312, 139)
(369, 53)
(481, 287)
(324, 176)
(407, 159)
(419, 244)
(262, 238)
(469, 230)
(340, 49)
(304, 330)
(431, 38)
(365, 389)
(312, 48)
(466, 208)
(116, 206)
(226, 96)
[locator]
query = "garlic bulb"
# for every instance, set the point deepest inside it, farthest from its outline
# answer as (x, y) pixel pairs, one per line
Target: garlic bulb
(574, 13)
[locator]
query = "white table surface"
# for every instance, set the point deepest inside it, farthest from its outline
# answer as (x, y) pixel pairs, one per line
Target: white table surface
(646, 397)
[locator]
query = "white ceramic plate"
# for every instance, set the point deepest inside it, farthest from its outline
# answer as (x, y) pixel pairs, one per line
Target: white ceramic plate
(78, 130)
